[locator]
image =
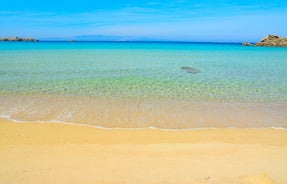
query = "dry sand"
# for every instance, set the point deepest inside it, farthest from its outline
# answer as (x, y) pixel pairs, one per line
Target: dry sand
(60, 153)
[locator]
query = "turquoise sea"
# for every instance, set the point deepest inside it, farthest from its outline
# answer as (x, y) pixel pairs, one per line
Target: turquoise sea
(146, 72)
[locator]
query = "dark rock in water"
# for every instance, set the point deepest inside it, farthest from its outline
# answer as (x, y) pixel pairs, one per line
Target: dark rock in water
(189, 70)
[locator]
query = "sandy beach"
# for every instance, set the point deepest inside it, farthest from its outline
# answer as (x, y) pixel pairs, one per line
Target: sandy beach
(143, 92)
(62, 153)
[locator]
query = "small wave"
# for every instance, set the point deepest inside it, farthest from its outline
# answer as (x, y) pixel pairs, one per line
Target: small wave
(8, 117)
(279, 128)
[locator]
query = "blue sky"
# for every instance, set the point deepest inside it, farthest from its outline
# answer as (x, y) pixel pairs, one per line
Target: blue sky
(160, 20)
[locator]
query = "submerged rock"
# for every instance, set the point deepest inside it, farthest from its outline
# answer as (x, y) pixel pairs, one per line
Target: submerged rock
(189, 69)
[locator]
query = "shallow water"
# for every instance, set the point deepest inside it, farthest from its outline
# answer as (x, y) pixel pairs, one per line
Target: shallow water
(143, 84)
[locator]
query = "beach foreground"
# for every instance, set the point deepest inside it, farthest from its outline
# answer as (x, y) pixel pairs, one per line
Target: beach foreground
(62, 153)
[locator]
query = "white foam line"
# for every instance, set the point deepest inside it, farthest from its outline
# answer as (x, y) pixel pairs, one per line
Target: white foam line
(279, 128)
(66, 123)
(7, 117)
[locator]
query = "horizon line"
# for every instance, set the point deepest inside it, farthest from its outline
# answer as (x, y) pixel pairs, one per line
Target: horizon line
(144, 41)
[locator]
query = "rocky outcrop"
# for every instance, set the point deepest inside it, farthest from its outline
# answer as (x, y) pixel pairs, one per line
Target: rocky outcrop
(269, 41)
(272, 40)
(17, 39)
(246, 44)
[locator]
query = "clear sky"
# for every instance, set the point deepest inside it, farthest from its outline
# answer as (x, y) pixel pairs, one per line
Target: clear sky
(167, 20)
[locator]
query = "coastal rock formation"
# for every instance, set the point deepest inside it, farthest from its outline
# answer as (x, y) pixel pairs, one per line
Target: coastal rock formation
(246, 44)
(272, 40)
(17, 39)
(269, 41)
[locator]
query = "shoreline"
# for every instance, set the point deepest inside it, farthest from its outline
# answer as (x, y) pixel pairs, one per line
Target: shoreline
(7, 118)
(50, 129)
(143, 113)
(62, 153)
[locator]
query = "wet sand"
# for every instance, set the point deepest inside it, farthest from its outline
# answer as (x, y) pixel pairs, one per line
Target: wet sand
(62, 153)
(143, 113)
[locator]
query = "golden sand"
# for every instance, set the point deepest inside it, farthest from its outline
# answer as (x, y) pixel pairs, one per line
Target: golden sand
(61, 153)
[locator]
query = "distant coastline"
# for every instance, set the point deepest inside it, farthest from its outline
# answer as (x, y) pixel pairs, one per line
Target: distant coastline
(18, 39)
(268, 41)
(115, 41)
